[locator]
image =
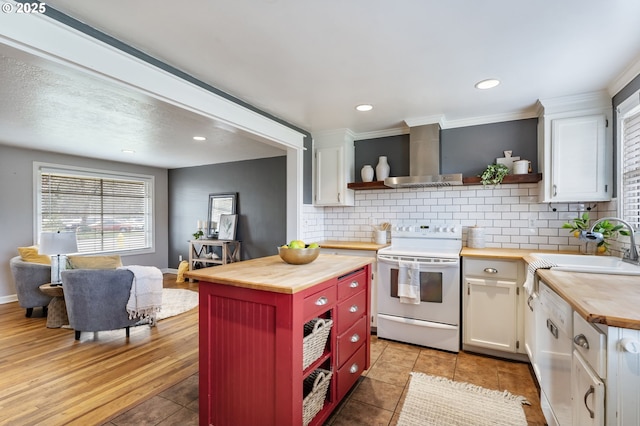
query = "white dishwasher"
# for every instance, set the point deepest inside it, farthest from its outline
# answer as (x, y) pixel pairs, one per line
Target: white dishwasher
(554, 346)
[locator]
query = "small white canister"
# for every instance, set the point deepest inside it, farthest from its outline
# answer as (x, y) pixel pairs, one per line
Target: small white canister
(475, 237)
(521, 167)
(380, 236)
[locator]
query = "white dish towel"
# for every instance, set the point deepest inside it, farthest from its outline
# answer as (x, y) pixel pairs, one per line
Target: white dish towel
(531, 272)
(409, 282)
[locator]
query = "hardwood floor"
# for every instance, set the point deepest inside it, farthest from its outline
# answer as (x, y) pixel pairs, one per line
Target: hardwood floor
(47, 377)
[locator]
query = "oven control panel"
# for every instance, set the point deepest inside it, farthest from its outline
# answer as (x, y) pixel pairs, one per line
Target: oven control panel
(441, 230)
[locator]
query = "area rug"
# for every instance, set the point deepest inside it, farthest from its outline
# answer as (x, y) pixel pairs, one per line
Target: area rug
(433, 400)
(176, 301)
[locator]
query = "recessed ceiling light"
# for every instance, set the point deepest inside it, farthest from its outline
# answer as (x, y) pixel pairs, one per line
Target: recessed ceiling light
(199, 138)
(128, 151)
(487, 84)
(364, 107)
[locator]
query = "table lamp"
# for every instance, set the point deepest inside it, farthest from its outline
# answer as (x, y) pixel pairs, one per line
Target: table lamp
(58, 245)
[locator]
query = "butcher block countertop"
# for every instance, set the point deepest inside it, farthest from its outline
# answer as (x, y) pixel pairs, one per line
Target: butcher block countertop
(351, 245)
(604, 299)
(273, 274)
(503, 253)
(612, 300)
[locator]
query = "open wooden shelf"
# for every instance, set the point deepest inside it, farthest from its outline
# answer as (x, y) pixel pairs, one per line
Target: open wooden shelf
(471, 180)
(528, 178)
(368, 185)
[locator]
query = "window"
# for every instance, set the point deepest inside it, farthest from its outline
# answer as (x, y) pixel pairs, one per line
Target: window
(629, 159)
(109, 212)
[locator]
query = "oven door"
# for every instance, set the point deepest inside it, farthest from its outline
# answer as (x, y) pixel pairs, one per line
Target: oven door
(439, 290)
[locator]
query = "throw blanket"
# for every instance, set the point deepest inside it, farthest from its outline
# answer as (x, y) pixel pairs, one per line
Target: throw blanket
(145, 299)
(409, 282)
(533, 267)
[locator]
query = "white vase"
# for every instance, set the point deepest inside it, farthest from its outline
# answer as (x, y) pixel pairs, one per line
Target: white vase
(382, 169)
(367, 173)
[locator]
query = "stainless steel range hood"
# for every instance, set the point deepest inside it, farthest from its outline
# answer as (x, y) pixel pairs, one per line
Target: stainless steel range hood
(424, 161)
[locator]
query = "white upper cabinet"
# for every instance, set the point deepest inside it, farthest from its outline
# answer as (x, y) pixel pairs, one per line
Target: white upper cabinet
(575, 148)
(334, 156)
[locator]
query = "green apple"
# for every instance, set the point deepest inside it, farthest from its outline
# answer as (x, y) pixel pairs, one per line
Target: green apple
(313, 245)
(296, 244)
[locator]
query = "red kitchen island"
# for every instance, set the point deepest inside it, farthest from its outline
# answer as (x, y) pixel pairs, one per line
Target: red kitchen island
(252, 327)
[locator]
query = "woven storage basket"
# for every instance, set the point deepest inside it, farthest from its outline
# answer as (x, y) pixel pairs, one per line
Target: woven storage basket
(316, 333)
(315, 388)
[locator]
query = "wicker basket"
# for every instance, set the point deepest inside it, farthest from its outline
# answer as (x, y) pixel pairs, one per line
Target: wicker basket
(316, 333)
(315, 388)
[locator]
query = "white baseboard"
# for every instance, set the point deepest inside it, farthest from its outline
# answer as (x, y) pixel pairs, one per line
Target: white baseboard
(8, 299)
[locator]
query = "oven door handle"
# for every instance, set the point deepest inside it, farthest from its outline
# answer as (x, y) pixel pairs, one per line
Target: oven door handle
(423, 265)
(422, 323)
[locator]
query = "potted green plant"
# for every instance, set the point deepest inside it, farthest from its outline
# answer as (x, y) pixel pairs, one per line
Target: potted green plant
(199, 234)
(493, 174)
(606, 228)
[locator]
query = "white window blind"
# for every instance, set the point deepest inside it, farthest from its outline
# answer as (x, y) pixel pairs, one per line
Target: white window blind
(108, 212)
(631, 169)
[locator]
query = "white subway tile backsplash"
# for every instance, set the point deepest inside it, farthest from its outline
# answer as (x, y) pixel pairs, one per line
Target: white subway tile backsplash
(476, 200)
(510, 214)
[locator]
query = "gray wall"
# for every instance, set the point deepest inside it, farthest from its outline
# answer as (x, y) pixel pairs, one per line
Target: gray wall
(261, 188)
(17, 205)
(395, 148)
(466, 150)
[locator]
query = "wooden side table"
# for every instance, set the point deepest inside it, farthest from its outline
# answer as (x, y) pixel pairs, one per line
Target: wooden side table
(57, 310)
(198, 249)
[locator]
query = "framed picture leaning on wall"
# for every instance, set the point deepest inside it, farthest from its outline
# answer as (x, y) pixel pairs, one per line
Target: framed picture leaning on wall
(227, 227)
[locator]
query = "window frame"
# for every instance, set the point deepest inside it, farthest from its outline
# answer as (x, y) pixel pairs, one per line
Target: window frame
(629, 106)
(149, 181)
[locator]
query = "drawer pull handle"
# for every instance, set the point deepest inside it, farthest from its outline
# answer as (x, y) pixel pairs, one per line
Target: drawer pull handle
(322, 301)
(586, 395)
(581, 340)
(553, 329)
(355, 338)
(491, 270)
(354, 368)
(353, 309)
(354, 284)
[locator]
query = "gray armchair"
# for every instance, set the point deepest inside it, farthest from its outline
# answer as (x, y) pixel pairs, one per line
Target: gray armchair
(96, 299)
(27, 277)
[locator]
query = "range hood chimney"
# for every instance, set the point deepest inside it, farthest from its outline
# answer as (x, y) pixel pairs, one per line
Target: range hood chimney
(424, 161)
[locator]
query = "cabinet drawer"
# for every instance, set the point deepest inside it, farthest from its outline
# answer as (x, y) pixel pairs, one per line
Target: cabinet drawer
(585, 334)
(319, 302)
(351, 285)
(349, 373)
(350, 311)
(491, 268)
(350, 341)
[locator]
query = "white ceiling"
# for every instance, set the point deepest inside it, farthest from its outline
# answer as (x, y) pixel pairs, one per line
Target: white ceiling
(310, 63)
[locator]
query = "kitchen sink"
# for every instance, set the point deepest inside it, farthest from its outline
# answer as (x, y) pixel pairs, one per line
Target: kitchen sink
(589, 264)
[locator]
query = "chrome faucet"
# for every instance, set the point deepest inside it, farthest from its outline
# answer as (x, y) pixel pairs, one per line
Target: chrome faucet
(631, 255)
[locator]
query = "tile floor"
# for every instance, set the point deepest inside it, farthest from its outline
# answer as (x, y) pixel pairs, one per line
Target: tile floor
(377, 398)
